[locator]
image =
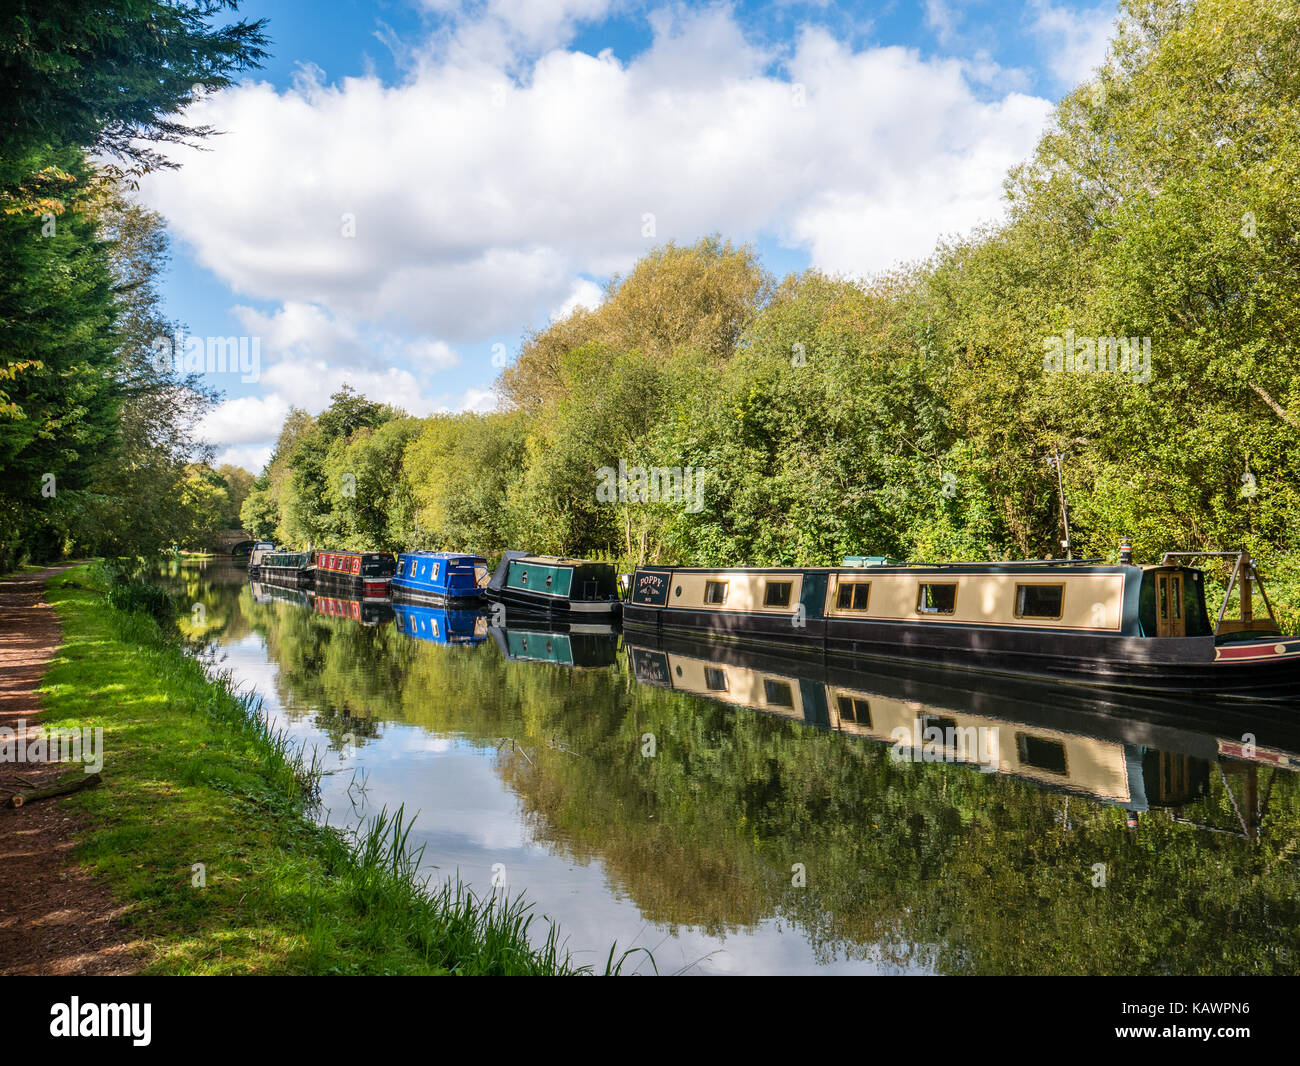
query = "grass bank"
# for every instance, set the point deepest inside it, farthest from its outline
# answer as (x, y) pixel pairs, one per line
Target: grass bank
(203, 825)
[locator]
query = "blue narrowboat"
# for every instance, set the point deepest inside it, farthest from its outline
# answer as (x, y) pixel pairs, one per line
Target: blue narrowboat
(440, 577)
(440, 625)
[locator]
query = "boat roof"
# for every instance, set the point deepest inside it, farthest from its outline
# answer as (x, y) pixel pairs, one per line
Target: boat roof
(443, 554)
(350, 551)
(1009, 566)
(559, 560)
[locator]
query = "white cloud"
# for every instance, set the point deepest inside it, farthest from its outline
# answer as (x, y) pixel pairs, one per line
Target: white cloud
(244, 420)
(1075, 38)
(252, 458)
(942, 19)
(487, 188)
(473, 219)
(477, 400)
(583, 294)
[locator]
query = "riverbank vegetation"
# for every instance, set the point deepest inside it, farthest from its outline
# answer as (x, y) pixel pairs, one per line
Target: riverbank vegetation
(243, 881)
(98, 448)
(912, 415)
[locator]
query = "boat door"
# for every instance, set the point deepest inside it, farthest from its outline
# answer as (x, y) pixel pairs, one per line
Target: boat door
(1170, 617)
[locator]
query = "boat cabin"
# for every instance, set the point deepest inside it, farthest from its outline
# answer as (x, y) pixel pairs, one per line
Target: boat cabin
(440, 576)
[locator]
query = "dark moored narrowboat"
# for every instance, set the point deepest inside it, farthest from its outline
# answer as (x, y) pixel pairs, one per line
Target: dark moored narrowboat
(367, 573)
(256, 554)
(440, 577)
(285, 568)
(556, 586)
(1123, 626)
(440, 625)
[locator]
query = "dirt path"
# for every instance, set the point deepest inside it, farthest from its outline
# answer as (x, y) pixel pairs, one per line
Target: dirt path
(54, 918)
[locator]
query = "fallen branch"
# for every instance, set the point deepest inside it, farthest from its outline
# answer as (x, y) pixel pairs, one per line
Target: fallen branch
(59, 788)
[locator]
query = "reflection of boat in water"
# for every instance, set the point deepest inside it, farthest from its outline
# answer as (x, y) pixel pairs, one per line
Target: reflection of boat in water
(266, 590)
(367, 612)
(576, 645)
(439, 625)
(1135, 752)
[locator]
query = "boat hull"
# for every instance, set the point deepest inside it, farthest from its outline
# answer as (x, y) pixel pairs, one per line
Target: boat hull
(1261, 669)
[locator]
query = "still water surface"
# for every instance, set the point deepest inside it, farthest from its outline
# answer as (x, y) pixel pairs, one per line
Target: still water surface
(737, 812)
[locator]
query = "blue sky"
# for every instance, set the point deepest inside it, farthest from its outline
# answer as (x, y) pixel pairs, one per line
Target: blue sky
(406, 188)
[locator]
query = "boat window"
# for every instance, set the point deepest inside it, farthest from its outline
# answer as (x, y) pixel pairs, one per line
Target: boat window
(936, 599)
(853, 709)
(716, 679)
(549, 578)
(777, 594)
(853, 595)
(435, 571)
(1041, 754)
(523, 577)
(1039, 601)
(1176, 605)
(715, 592)
(778, 693)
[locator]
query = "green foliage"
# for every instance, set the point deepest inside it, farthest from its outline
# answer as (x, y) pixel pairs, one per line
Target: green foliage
(911, 415)
(96, 440)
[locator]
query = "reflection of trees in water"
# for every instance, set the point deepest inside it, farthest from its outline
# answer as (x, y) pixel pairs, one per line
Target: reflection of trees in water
(912, 865)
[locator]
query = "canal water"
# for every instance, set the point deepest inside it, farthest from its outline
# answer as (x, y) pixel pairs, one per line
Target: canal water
(756, 813)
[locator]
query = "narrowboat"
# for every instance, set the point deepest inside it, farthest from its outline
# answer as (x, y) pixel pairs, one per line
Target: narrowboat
(552, 585)
(1140, 627)
(1138, 752)
(440, 577)
(440, 625)
(285, 568)
(255, 555)
(367, 573)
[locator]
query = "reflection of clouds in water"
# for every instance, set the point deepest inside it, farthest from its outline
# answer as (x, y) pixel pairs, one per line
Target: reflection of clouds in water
(467, 819)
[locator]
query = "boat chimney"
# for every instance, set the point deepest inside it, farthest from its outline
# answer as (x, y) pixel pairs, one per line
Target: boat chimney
(1125, 552)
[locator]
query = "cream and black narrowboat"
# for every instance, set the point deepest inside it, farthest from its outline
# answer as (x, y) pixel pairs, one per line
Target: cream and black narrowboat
(552, 585)
(1129, 626)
